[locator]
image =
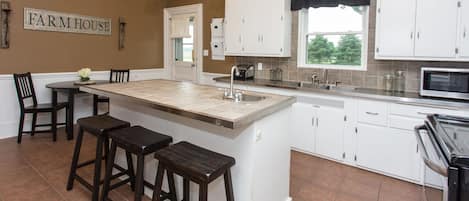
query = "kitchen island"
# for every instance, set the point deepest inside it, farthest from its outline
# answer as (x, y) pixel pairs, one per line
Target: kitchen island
(255, 133)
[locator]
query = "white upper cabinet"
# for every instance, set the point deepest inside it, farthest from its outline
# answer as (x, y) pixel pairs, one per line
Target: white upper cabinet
(464, 30)
(250, 31)
(437, 24)
(420, 30)
(395, 25)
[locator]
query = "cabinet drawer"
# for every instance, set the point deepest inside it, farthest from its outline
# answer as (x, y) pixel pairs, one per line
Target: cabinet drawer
(406, 123)
(416, 111)
(372, 112)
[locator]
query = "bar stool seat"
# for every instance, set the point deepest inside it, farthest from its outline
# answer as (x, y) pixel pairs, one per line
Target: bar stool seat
(98, 126)
(141, 142)
(196, 164)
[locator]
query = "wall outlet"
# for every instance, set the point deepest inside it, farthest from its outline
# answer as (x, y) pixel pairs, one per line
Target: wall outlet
(205, 53)
(259, 66)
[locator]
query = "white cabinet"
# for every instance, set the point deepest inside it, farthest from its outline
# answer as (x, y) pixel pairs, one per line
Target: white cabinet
(392, 151)
(420, 30)
(251, 31)
(303, 127)
(463, 33)
(395, 28)
(330, 129)
(437, 24)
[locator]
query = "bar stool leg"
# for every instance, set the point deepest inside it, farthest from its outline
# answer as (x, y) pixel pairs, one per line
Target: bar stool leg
(203, 192)
(172, 186)
(139, 180)
(95, 105)
(97, 168)
(106, 149)
(108, 174)
(76, 155)
(228, 186)
(130, 169)
(186, 189)
(158, 183)
(54, 125)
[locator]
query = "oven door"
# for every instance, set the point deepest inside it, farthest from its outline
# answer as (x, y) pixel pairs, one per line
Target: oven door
(435, 178)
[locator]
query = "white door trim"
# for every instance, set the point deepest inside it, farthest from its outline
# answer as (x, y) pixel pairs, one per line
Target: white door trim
(198, 10)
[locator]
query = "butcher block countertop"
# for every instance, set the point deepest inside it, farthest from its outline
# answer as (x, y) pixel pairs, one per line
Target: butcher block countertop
(200, 102)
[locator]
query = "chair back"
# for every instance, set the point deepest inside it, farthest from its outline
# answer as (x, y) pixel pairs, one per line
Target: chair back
(119, 76)
(24, 88)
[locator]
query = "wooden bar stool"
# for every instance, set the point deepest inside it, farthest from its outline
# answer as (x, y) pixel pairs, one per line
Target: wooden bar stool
(98, 126)
(195, 164)
(141, 142)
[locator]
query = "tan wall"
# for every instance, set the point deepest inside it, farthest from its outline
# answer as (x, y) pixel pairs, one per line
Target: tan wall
(212, 9)
(38, 51)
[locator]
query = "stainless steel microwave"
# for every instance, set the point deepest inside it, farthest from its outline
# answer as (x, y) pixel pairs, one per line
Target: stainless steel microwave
(445, 83)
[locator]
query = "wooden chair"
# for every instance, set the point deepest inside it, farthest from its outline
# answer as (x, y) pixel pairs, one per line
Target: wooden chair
(25, 91)
(116, 76)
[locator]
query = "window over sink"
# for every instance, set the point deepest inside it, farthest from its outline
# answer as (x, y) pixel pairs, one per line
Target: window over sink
(333, 37)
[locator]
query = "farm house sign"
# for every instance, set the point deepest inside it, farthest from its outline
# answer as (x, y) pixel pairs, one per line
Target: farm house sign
(44, 20)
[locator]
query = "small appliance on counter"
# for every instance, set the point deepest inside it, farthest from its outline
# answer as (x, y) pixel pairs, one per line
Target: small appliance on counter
(245, 72)
(276, 74)
(445, 83)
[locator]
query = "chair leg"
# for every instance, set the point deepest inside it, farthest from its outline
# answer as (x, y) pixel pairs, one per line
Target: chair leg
(186, 190)
(76, 155)
(106, 149)
(33, 124)
(172, 186)
(54, 125)
(97, 168)
(203, 192)
(108, 174)
(20, 127)
(130, 169)
(68, 127)
(95, 105)
(228, 186)
(139, 177)
(158, 183)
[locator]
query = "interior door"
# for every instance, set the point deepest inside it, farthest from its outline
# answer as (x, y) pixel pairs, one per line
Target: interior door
(184, 53)
(395, 28)
(437, 23)
(464, 30)
(329, 134)
(303, 127)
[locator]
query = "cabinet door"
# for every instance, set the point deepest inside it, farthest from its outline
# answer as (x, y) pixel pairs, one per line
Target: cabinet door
(437, 22)
(464, 33)
(302, 124)
(233, 27)
(395, 28)
(329, 133)
(272, 27)
(391, 151)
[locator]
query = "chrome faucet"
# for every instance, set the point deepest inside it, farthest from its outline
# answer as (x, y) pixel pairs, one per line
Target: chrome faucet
(326, 76)
(231, 93)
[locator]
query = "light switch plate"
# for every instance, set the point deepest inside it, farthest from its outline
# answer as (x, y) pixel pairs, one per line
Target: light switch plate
(259, 66)
(205, 53)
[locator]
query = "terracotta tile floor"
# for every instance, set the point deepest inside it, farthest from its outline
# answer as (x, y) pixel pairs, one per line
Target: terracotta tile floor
(316, 179)
(38, 169)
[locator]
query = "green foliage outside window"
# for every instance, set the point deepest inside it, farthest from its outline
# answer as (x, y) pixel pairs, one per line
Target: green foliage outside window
(347, 52)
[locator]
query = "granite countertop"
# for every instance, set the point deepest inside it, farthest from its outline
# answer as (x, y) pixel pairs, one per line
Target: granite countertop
(374, 94)
(200, 102)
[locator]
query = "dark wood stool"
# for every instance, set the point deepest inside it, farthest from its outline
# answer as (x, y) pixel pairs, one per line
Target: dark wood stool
(195, 164)
(98, 126)
(141, 142)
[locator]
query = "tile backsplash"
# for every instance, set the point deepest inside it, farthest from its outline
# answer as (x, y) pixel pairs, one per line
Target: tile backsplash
(373, 77)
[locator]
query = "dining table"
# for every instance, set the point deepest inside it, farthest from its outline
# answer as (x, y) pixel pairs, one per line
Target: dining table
(70, 88)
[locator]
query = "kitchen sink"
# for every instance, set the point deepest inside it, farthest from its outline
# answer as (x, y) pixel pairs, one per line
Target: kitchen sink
(316, 86)
(240, 97)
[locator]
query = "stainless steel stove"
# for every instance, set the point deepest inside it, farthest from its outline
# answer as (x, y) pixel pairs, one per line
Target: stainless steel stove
(444, 144)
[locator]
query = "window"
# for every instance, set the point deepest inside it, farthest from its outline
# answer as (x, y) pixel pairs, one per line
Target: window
(184, 47)
(333, 37)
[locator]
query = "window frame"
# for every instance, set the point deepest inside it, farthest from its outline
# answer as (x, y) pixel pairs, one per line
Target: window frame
(303, 39)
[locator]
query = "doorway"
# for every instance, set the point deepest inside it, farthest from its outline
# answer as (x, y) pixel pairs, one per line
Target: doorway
(183, 42)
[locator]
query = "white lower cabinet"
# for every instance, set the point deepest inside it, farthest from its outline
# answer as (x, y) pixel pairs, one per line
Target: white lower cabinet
(329, 134)
(303, 129)
(387, 150)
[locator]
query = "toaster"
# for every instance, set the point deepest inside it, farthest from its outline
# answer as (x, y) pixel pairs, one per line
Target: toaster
(245, 72)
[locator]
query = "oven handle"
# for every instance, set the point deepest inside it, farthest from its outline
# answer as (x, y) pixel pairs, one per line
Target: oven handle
(426, 159)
